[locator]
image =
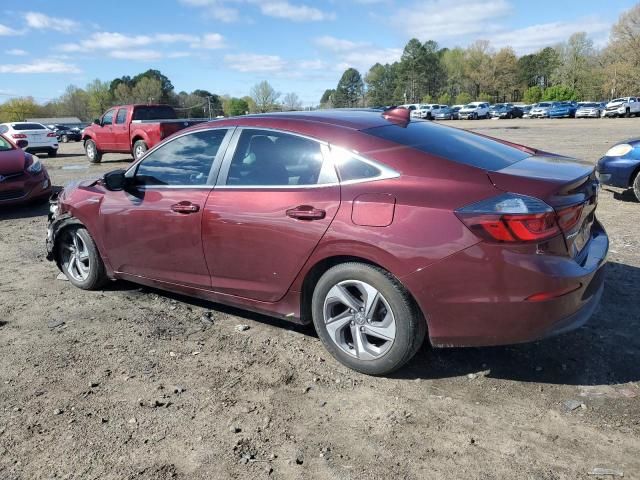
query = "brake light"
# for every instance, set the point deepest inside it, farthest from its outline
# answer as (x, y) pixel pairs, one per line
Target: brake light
(511, 218)
(52, 134)
(18, 135)
(569, 217)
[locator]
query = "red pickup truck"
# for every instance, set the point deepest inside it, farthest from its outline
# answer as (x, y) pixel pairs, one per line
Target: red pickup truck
(131, 129)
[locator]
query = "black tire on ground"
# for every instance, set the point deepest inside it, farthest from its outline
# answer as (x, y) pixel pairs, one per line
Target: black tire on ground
(139, 148)
(52, 153)
(64, 139)
(474, 116)
(636, 186)
(97, 276)
(627, 113)
(411, 326)
(91, 149)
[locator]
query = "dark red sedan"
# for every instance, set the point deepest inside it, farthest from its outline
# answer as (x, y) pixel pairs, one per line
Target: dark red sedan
(23, 178)
(377, 229)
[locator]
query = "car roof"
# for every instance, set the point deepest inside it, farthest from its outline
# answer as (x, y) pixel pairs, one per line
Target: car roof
(354, 119)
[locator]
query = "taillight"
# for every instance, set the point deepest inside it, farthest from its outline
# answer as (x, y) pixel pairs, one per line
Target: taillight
(569, 217)
(52, 134)
(18, 135)
(511, 218)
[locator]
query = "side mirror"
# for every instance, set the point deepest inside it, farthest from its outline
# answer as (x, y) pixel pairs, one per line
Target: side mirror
(115, 180)
(22, 144)
(97, 121)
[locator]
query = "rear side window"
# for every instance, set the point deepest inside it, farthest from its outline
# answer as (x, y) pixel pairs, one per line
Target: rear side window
(351, 168)
(122, 116)
(451, 143)
(28, 126)
(270, 158)
(154, 113)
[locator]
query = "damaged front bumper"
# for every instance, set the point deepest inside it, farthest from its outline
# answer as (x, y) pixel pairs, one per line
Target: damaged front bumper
(56, 221)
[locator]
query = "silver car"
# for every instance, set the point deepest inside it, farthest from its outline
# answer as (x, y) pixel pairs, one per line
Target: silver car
(589, 110)
(541, 110)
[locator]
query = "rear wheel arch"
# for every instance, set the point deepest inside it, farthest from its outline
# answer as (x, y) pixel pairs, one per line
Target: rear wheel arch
(322, 266)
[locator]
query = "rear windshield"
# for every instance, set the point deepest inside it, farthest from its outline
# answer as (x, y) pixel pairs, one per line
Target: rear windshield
(28, 126)
(154, 113)
(451, 143)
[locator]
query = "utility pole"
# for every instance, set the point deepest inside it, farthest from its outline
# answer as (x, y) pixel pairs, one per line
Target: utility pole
(209, 106)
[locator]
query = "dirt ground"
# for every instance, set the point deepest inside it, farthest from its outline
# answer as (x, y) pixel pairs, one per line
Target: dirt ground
(131, 382)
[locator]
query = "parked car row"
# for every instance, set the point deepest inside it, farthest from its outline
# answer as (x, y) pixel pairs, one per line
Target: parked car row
(619, 107)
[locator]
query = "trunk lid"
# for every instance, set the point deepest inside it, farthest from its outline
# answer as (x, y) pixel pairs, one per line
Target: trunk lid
(562, 183)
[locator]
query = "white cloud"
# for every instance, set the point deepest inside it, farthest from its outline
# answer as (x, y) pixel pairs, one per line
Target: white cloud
(6, 31)
(18, 52)
(532, 38)
(143, 55)
(41, 21)
(337, 44)
(289, 11)
(255, 63)
(359, 55)
(438, 19)
(141, 47)
(225, 10)
(40, 66)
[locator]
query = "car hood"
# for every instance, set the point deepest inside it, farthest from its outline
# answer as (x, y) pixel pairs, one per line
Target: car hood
(468, 109)
(615, 104)
(12, 161)
(72, 186)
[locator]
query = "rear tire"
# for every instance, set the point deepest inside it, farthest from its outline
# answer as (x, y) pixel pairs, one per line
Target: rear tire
(374, 342)
(79, 259)
(139, 149)
(636, 186)
(91, 149)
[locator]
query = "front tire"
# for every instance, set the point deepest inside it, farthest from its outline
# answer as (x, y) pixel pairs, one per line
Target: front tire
(79, 259)
(366, 319)
(139, 149)
(91, 149)
(636, 186)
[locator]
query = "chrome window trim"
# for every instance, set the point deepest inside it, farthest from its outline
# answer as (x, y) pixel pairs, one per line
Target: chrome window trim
(215, 166)
(386, 172)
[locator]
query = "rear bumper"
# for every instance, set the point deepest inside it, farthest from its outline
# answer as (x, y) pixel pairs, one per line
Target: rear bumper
(42, 148)
(478, 297)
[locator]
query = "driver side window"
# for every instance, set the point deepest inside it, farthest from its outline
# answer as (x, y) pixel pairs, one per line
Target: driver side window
(107, 118)
(185, 161)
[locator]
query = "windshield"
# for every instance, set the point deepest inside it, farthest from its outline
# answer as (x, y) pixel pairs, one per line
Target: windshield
(161, 112)
(471, 105)
(619, 100)
(5, 145)
(544, 104)
(28, 126)
(588, 105)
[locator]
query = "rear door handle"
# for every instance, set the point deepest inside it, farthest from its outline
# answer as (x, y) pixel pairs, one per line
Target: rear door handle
(185, 207)
(306, 212)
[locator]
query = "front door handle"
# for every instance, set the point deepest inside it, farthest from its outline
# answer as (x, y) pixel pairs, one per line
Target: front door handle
(185, 207)
(306, 212)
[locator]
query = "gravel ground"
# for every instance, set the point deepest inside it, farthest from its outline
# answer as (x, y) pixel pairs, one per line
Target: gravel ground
(131, 382)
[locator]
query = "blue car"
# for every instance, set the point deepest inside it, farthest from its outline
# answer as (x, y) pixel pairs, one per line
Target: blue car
(620, 166)
(563, 110)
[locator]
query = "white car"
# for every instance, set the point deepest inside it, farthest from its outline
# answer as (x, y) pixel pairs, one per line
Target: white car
(474, 111)
(589, 110)
(40, 139)
(427, 111)
(623, 107)
(541, 110)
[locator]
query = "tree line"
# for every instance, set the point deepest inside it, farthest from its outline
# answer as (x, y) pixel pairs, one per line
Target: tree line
(572, 70)
(147, 87)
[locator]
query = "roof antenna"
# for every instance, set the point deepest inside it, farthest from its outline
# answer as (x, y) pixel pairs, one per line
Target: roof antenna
(398, 115)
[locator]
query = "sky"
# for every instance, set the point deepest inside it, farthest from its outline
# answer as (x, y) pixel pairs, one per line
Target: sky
(227, 46)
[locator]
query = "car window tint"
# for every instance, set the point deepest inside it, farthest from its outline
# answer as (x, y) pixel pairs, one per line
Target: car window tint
(154, 113)
(122, 115)
(4, 145)
(107, 119)
(4, 129)
(28, 126)
(352, 168)
(186, 160)
(278, 159)
(451, 143)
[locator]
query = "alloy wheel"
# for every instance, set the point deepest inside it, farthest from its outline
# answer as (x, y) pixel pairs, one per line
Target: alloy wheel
(359, 320)
(91, 151)
(75, 257)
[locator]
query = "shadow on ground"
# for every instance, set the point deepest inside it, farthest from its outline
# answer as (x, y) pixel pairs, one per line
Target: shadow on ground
(604, 352)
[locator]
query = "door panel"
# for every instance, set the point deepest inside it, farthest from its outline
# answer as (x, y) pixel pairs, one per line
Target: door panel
(120, 131)
(254, 249)
(144, 235)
